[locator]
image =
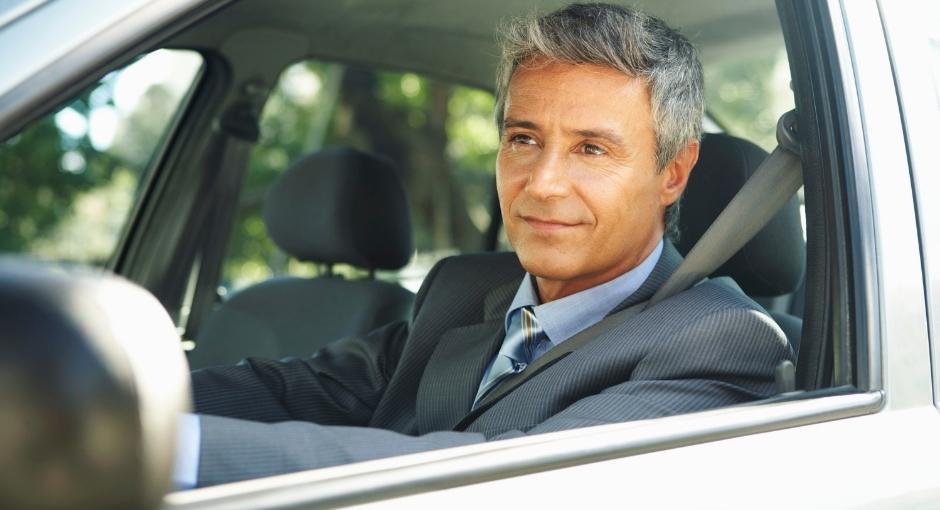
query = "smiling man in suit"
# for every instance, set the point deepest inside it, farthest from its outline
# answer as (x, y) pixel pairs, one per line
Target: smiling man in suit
(599, 110)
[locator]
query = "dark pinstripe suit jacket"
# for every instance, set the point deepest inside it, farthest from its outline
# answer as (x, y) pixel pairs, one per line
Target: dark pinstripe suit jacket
(406, 387)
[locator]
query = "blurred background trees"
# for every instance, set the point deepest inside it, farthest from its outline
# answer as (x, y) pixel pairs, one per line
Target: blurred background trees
(69, 180)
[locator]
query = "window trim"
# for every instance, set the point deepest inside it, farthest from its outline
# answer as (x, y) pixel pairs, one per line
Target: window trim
(842, 336)
(158, 159)
(867, 320)
(155, 254)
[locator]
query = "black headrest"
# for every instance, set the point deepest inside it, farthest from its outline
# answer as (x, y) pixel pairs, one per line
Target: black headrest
(772, 263)
(341, 205)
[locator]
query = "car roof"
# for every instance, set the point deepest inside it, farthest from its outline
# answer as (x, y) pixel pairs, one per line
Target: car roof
(396, 33)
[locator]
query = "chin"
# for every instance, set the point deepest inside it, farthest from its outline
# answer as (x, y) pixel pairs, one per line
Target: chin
(557, 267)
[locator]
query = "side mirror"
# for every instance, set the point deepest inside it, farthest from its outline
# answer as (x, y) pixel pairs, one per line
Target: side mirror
(92, 381)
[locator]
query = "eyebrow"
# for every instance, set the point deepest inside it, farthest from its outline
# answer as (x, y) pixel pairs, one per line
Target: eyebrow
(514, 123)
(605, 134)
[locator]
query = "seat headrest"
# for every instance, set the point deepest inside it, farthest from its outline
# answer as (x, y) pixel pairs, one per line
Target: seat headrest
(341, 205)
(772, 263)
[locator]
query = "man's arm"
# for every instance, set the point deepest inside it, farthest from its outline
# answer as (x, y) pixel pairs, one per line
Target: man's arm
(234, 450)
(340, 384)
(734, 368)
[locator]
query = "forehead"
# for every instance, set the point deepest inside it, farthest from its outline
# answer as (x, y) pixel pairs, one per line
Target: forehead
(544, 88)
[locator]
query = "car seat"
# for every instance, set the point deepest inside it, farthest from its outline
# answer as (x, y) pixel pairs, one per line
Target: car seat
(338, 205)
(772, 264)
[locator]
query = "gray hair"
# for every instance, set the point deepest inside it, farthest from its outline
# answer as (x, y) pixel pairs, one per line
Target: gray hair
(630, 41)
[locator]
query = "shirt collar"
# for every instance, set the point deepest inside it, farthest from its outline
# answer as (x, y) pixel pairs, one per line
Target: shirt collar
(563, 318)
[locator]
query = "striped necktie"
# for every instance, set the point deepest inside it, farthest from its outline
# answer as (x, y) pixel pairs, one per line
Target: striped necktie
(524, 342)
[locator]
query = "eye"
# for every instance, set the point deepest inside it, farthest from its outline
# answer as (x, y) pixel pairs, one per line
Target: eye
(593, 150)
(521, 139)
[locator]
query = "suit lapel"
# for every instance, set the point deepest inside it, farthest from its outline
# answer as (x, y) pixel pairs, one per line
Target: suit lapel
(454, 371)
(498, 300)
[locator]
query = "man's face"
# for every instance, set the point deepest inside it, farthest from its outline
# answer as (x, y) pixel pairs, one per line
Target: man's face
(579, 190)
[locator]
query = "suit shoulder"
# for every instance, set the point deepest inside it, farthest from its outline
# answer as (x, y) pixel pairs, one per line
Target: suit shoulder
(715, 295)
(463, 282)
(713, 331)
(476, 270)
(717, 315)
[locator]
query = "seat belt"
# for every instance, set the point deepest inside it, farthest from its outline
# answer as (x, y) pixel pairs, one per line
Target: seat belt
(770, 187)
(238, 132)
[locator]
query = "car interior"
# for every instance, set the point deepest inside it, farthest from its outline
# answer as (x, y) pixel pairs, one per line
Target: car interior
(770, 268)
(337, 205)
(369, 227)
(302, 165)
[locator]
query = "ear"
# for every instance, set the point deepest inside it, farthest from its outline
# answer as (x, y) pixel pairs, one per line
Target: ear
(676, 174)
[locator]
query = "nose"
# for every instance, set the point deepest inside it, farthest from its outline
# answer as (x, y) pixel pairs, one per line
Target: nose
(548, 177)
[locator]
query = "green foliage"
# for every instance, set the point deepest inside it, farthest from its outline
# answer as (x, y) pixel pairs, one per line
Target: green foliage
(69, 179)
(35, 194)
(44, 170)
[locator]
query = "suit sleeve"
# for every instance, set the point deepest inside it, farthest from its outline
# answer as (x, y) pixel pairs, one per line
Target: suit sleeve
(340, 384)
(234, 450)
(738, 368)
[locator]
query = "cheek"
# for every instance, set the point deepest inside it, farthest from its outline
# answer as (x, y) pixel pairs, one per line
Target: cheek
(507, 184)
(618, 204)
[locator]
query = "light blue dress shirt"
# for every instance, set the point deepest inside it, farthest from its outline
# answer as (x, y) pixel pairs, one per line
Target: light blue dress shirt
(560, 320)
(186, 469)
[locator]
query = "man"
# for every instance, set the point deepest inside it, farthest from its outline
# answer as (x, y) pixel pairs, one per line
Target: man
(599, 110)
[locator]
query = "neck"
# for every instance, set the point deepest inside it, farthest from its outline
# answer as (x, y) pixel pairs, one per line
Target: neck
(550, 290)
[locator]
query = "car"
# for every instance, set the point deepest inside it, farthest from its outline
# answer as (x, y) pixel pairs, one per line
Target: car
(141, 140)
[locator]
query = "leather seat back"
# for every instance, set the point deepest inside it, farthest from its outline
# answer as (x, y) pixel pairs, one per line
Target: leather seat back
(338, 205)
(772, 264)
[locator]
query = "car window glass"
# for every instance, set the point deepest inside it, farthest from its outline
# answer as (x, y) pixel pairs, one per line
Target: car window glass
(69, 181)
(440, 135)
(746, 95)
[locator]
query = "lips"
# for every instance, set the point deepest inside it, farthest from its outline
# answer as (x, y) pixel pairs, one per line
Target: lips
(547, 224)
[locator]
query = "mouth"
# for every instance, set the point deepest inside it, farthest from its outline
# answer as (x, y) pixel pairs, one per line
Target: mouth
(546, 224)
